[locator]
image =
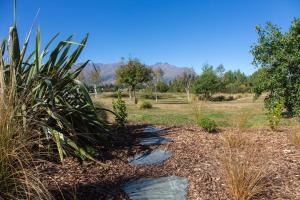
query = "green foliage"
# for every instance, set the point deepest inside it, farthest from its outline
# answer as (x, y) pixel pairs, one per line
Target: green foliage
(275, 108)
(120, 109)
(132, 74)
(145, 105)
(235, 82)
(207, 83)
(147, 93)
(277, 54)
(207, 124)
(48, 97)
(162, 87)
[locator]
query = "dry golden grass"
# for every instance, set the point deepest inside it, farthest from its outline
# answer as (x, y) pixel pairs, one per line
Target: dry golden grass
(18, 179)
(245, 177)
(295, 139)
(235, 140)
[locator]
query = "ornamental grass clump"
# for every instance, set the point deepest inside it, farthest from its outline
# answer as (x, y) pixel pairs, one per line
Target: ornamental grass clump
(245, 177)
(295, 139)
(18, 177)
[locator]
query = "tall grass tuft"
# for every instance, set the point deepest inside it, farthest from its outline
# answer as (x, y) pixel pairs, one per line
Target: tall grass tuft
(295, 139)
(235, 140)
(18, 179)
(244, 177)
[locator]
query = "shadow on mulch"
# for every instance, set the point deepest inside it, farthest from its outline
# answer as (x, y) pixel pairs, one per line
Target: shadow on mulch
(98, 190)
(124, 144)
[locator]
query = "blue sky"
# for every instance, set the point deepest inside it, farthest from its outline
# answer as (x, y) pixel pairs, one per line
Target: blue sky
(180, 32)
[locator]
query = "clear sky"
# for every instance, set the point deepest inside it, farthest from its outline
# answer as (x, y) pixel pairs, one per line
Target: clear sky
(180, 32)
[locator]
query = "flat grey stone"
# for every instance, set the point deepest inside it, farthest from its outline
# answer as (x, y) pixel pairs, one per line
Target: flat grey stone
(155, 140)
(150, 157)
(151, 129)
(163, 188)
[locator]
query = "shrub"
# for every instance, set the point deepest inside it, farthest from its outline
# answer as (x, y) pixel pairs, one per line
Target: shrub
(275, 107)
(145, 105)
(221, 98)
(208, 124)
(46, 91)
(120, 109)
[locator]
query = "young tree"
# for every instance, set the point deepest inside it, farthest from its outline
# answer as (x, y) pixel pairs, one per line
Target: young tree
(95, 78)
(158, 74)
(132, 74)
(208, 82)
(187, 79)
(278, 54)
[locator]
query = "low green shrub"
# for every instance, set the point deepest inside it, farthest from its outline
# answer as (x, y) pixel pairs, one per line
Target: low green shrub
(275, 108)
(221, 98)
(145, 105)
(120, 109)
(207, 124)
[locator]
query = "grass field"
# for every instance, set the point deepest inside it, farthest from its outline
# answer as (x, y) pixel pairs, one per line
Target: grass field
(173, 109)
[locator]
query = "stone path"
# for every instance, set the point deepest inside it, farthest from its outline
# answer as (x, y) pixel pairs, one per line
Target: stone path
(162, 188)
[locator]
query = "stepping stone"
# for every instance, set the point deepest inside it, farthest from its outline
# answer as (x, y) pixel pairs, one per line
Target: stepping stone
(150, 157)
(163, 188)
(156, 140)
(151, 129)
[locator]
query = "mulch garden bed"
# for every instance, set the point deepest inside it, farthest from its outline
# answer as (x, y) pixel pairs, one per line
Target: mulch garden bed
(196, 155)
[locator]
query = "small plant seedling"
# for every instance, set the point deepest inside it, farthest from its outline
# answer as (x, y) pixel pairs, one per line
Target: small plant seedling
(208, 124)
(120, 109)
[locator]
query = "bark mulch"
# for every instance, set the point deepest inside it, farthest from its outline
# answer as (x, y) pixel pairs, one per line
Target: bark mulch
(196, 155)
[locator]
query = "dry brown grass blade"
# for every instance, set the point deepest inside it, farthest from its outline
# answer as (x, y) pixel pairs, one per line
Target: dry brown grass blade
(235, 140)
(244, 176)
(18, 179)
(295, 139)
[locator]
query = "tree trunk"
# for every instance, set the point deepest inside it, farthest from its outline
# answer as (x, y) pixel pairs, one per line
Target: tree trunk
(130, 94)
(95, 89)
(187, 94)
(155, 88)
(134, 96)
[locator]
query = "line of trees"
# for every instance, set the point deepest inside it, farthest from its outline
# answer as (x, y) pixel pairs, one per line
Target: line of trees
(133, 75)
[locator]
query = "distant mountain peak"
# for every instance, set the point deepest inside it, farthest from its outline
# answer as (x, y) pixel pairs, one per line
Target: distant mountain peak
(108, 71)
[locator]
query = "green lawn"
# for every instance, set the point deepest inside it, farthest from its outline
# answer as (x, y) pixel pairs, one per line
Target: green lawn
(173, 109)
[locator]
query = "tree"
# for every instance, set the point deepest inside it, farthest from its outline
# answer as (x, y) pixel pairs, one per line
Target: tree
(278, 54)
(208, 82)
(95, 78)
(158, 74)
(220, 70)
(235, 81)
(162, 86)
(187, 79)
(176, 85)
(132, 74)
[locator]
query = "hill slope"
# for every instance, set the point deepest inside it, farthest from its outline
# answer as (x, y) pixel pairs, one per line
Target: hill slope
(108, 70)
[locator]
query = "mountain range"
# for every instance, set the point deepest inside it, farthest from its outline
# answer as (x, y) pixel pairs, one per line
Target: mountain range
(108, 70)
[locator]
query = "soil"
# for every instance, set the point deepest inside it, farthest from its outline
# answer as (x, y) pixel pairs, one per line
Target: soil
(197, 155)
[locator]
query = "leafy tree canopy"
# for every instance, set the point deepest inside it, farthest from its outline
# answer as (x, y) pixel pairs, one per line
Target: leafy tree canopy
(208, 82)
(278, 54)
